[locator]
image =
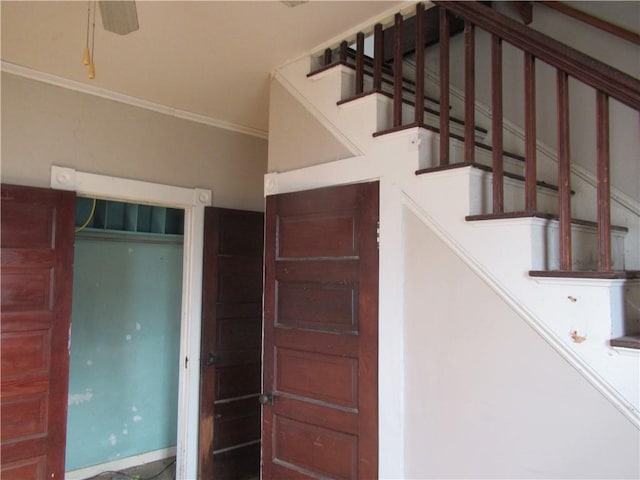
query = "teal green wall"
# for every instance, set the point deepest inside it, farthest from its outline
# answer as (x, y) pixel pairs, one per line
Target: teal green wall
(125, 337)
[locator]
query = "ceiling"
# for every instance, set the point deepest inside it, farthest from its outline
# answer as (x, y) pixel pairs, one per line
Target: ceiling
(210, 58)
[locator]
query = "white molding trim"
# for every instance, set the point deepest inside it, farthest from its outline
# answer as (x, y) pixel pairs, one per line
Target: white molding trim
(352, 170)
(120, 464)
(625, 407)
(128, 100)
(326, 123)
(194, 201)
(103, 186)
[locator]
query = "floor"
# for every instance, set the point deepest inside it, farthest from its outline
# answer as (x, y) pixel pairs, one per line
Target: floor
(160, 470)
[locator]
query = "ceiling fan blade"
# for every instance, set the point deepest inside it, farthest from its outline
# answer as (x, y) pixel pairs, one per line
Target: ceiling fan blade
(119, 16)
(293, 3)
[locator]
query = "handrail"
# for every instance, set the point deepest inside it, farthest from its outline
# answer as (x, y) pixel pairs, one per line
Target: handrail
(589, 19)
(594, 73)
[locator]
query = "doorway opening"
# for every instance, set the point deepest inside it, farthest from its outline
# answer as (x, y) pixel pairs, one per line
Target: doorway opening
(125, 337)
(193, 201)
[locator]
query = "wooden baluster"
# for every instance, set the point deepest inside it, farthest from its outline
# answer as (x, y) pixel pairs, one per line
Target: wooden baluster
(469, 92)
(444, 87)
(604, 199)
(328, 57)
(342, 54)
(496, 124)
(397, 72)
(377, 57)
(564, 180)
(359, 63)
(420, 34)
(530, 168)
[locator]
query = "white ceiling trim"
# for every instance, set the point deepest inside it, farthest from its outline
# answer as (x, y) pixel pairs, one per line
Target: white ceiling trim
(126, 99)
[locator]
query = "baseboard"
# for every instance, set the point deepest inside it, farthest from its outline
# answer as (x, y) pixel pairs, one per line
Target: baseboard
(120, 464)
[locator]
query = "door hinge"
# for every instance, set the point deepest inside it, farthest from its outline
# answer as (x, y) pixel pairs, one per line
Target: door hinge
(378, 234)
(186, 361)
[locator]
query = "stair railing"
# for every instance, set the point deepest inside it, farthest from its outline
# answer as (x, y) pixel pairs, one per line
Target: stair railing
(607, 81)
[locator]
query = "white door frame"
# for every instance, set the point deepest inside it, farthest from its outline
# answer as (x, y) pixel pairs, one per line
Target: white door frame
(193, 201)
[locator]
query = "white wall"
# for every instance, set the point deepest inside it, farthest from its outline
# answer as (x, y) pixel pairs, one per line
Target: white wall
(296, 138)
(621, 54)
(43, 125)
(487, 397)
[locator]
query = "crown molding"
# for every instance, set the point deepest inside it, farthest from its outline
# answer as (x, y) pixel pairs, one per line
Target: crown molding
(126, 99)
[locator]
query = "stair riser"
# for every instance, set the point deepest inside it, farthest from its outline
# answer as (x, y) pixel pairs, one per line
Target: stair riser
(544, 233)
(456, 155)
(408, 117)
(484, 157)
(408, 111)
(368, 86)
(584, 247)
(350, 87)
(514, 201)
(411, 97)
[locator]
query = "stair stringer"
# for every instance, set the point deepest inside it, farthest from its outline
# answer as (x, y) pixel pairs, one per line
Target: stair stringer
(502, 253)
(576, 317)
(444, 199)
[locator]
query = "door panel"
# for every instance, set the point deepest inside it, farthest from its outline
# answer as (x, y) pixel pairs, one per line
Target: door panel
(320, 334)
(37, 264)
(229, 446)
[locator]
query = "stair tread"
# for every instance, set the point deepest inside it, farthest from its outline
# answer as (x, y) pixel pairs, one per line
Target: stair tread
(547, 216)
(408, 126)
(613, 275)
(486, 168)
(627, 341)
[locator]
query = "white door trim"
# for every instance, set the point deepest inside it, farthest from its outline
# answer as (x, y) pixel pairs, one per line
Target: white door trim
(193, 201)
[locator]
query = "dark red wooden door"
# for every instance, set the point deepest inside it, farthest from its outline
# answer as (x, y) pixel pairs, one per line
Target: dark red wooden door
(229, 446)
(37, 264)
(321, 334)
